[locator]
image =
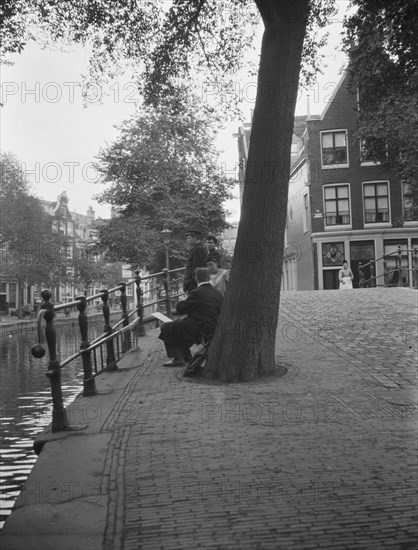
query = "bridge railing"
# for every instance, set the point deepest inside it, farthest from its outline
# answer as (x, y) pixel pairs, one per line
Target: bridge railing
(395, 276)
(104, 351)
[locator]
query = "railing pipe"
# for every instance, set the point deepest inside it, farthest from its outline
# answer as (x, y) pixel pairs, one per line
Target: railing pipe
(110, 352)
(100, 341)
(89, 383)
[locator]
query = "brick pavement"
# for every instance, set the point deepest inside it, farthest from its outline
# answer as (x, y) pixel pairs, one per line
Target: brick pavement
(323, 457)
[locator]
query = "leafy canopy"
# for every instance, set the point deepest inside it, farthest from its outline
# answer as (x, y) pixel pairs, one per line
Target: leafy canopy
(164, 44)
(161, 173)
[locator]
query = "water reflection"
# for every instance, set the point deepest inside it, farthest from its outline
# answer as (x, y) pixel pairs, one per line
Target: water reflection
(26, 402)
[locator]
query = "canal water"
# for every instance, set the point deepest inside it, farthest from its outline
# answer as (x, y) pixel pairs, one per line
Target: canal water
(26, 402)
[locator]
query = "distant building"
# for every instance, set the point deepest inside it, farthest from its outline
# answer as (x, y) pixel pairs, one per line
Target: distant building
(80, 232)
(229, 238)
(340, 205)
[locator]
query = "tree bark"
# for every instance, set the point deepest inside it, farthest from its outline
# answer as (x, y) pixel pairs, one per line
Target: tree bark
(243, 347)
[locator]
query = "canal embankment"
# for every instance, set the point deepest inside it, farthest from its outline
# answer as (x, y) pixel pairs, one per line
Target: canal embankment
(25, 393)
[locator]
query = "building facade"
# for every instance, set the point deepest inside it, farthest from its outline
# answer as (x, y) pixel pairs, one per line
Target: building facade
(79, 233)
(341, 206)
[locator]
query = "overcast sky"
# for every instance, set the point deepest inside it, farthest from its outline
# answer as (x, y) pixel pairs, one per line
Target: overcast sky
(56, 137)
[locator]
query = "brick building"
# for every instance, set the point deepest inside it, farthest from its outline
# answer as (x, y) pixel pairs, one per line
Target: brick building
(341, 206)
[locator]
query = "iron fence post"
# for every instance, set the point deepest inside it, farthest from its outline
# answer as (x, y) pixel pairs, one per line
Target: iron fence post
(139, 305)
(167, 292)
(399, 261)
(415, 271)
(110, 352)
(89, 383)
(361, 277)
(124, 301)
(59, 416)
(372, 276)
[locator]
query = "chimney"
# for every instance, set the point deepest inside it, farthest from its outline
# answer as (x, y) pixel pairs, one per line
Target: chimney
(90, 215)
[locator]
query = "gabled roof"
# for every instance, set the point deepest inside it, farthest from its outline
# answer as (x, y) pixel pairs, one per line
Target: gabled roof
(343, 74)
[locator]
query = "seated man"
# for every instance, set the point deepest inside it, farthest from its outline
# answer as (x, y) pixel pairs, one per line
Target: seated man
(202, 307)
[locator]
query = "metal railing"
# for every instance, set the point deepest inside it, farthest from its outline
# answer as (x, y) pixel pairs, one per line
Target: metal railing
(104, 351)
(397, 272)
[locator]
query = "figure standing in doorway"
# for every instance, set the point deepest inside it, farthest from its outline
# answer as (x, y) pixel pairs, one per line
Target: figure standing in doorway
(345, 276)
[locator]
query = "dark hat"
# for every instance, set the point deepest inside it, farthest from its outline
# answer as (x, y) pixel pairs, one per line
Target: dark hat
(194, 231)
(210, 258)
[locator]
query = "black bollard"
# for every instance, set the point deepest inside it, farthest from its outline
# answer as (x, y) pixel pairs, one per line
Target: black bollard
(59, 416)
(126, 345)
(110, 351)
(139, 305)
(89, 383)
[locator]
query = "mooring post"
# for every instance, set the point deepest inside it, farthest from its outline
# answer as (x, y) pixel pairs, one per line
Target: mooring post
(59, 416)
(89, 383)
(139, 304)
(124, 301)
(110, 351)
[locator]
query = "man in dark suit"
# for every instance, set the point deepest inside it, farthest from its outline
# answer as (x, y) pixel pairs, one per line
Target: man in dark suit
(202, 307)
(211, 244)
(196, 258)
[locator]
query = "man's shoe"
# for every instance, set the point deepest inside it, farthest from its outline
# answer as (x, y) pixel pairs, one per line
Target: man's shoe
(174, 363)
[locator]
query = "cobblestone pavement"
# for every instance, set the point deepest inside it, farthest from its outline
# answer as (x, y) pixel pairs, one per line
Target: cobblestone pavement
(323, 457)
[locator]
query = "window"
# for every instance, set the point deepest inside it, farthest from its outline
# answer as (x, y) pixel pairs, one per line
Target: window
(12, 295)
(334, 149)
(70, 228)
(337, 205)
(408, 212)
(126, 271)
(376, 202)
(68, 251)
(332, 254)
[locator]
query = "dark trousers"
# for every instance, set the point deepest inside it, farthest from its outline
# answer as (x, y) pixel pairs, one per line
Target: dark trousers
(177, 353)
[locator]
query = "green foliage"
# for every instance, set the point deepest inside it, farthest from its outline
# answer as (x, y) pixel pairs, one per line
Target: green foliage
(383, 50)
(162, 173)
(92, 270)
(201, 44)
(30, 249)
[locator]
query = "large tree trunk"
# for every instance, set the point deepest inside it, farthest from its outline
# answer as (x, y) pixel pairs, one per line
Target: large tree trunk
(244, 341)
